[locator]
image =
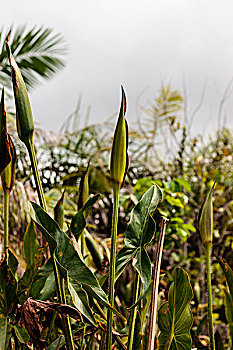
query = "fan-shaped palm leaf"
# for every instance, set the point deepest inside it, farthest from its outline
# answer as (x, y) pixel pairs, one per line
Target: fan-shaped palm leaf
(38, 52)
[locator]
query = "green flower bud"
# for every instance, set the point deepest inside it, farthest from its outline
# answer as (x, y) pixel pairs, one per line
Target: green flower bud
(5, 151)
(119, 157)
(59, 211)
(83, 192)
(205, 219)
(24, 119)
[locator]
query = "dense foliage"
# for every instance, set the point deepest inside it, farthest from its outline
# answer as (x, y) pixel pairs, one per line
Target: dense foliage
(67, 242)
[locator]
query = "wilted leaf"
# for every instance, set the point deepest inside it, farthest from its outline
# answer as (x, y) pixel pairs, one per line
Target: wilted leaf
(139, 233)
(175, 318)
(32, 312)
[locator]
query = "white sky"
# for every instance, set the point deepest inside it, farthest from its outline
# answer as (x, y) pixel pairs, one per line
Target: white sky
(139, 44)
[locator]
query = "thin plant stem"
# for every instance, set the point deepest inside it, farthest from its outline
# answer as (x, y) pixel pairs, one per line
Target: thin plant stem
(51, 325)
(133, 313)
(210, 308)
(6, 223)
(67, 324)
(83, 337)
(34, 165)
(155, 287)
(59, 281)
(82, 243)
(116, 191)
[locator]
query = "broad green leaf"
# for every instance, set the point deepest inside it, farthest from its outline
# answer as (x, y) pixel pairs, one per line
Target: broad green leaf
(39, 285)
(21, 333)
(80, 300)
(184, 183)
(8, 299)
(78, 222)
(12, 262)
(139, 233)
(30, 244)
(25, 283)
(227, 272)
(137, 339)
(70, 265)
(229, 315)
(175, 318)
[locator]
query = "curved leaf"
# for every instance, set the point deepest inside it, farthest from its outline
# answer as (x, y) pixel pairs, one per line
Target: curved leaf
(78, 222)
(70, 265)
(175, 318)
(227, 272)
(140, 232)
(30, 244)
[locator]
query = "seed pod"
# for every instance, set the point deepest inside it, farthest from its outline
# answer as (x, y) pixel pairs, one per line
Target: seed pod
(59, 211)
(5, 151)
(205, 219)
(119, 157)
(24, 119)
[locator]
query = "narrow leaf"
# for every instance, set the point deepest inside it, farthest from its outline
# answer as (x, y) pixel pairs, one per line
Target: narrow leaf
(30, 244)
(229, 315)
(227, 272)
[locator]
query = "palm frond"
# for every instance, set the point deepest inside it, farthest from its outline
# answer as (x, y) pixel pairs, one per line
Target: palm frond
(38, 52)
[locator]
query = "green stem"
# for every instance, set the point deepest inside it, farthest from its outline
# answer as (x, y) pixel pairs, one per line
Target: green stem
(116, 191)
(155, 288)
(6, 223)
(210, 309)
(82, 244)
(133, 314)
(59, 284)
(39, 188)
(66, 321)
(51, 325)
(83, 337)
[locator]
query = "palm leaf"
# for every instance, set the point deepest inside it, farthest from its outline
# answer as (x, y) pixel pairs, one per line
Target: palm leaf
(38, 52)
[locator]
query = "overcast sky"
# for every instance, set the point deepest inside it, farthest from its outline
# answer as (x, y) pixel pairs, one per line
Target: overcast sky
(140, 44)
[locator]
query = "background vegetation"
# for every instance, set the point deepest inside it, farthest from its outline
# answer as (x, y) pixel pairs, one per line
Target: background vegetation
(162, 151)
